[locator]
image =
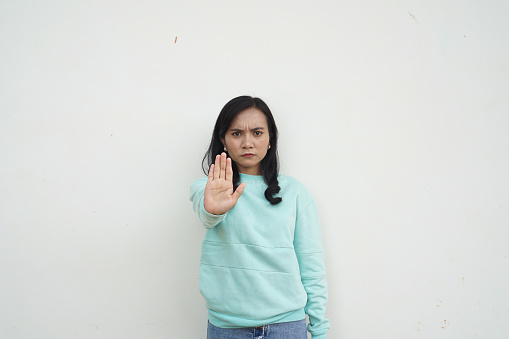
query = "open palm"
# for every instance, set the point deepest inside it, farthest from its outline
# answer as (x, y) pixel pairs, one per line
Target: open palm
(219, 196)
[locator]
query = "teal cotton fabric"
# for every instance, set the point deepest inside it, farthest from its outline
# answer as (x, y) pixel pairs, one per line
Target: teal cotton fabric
(260, 263)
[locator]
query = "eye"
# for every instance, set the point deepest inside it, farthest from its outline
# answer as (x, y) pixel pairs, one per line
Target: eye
(236, 134)
(258, 133)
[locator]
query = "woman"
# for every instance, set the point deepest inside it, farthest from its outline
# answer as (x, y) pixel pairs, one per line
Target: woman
(262, 267)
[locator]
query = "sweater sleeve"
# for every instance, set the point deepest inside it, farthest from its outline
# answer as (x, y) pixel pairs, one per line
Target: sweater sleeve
(309, 251)
(208, 220)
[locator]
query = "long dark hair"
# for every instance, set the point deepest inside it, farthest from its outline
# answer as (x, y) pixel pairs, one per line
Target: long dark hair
(269, 166)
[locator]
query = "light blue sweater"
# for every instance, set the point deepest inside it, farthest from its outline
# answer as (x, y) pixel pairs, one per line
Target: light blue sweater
(261, 263)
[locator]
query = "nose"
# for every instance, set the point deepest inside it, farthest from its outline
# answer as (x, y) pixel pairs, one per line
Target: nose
(247, 142)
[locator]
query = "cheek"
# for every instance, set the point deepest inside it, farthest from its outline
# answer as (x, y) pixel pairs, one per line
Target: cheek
(265, 142)
(230, 143)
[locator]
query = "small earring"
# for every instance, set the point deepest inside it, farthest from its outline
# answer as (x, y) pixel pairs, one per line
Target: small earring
(269, 147)
(225, 148)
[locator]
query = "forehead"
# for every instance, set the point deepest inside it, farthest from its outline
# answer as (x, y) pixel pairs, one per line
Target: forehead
(251, 117)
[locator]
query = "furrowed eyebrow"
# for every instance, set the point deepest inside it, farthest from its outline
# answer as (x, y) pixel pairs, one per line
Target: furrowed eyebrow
(241, 130)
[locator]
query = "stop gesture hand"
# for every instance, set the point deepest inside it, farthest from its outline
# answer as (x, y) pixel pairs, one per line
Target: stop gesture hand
(219, 196)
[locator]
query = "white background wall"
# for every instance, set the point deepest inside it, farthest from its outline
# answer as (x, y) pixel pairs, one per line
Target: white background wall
(393, 113)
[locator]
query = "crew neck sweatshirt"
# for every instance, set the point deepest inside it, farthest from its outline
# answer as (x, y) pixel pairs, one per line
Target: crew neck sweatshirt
(260, 263)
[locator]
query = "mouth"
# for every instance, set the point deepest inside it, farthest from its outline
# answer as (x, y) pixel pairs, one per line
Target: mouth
(247, 155)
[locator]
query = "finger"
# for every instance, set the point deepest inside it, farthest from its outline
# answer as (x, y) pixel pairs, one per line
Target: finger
(222, 174)
(238, 192)
(217, 168)
(211, 173)
(229, 170)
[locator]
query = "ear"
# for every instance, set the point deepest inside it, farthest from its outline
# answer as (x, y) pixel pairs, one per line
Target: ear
(222, 140)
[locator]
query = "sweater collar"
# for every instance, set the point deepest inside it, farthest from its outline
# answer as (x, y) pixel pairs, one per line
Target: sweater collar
(248, 177)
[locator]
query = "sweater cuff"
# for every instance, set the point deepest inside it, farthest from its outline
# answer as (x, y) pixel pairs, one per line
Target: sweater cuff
(319, 336)
(210, 220)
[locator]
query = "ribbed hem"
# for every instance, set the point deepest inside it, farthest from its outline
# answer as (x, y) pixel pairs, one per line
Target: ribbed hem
(319, 336)
(226, 321)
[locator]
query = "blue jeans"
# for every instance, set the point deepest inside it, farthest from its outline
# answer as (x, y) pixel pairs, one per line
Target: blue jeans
(289, 330)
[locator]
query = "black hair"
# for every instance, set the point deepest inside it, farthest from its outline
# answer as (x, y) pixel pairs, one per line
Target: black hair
(269, 166)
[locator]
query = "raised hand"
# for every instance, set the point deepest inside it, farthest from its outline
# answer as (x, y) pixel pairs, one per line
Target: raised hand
(219, 196)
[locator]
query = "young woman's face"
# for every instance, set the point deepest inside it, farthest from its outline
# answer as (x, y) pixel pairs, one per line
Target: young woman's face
(247, 140)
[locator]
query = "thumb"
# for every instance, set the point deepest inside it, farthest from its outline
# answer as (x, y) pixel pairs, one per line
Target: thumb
(238, 191)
